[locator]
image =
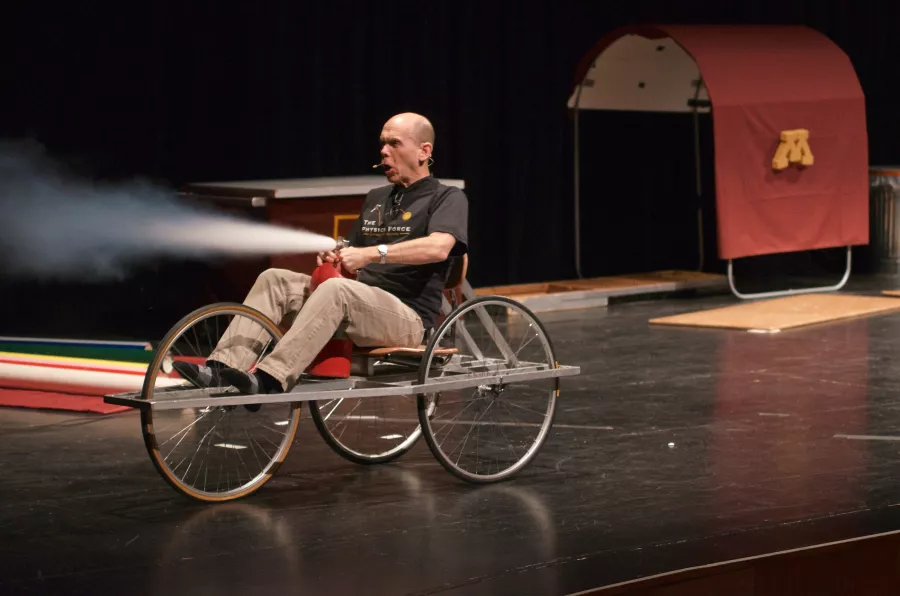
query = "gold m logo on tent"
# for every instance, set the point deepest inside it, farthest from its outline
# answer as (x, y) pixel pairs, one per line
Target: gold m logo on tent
(793, 149)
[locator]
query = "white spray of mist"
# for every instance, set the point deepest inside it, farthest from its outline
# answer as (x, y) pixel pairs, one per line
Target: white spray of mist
(56, 226)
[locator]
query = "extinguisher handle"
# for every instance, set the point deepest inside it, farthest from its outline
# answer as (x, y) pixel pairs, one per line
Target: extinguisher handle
(341, 244)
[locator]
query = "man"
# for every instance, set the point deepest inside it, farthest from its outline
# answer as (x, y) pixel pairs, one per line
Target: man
(399, 250)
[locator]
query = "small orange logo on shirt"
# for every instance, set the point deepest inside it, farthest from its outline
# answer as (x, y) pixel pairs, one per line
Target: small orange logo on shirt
(406, 215)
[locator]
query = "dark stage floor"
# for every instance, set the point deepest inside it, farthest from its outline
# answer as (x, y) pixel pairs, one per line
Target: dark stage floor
(675, 448)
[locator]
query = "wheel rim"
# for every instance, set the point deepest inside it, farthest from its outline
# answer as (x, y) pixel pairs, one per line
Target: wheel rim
(372, 430)
(214, 453)
(490, 432)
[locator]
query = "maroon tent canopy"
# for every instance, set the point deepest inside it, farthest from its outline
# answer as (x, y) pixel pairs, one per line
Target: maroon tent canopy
(761, 81)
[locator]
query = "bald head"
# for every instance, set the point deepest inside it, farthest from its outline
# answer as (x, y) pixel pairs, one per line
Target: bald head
(406, 143)
(415, 125)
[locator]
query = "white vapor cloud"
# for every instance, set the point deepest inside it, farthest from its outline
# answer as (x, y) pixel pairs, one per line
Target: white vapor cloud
(56, 226)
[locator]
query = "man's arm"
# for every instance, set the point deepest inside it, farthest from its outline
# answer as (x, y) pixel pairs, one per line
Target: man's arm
(433, 248)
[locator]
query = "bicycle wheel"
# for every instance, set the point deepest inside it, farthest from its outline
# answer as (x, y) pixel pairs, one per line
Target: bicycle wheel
(214, 453)
(489, 432)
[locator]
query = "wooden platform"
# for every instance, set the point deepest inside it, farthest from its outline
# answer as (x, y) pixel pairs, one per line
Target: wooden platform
(594, 292)
(771, 316)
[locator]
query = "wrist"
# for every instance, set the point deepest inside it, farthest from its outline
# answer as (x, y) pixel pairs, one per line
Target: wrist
(372, 255)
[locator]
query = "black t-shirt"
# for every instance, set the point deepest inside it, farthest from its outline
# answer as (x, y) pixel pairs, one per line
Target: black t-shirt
(394, 214)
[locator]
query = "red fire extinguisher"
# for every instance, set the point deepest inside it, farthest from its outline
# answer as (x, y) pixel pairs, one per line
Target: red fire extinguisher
(334, 359)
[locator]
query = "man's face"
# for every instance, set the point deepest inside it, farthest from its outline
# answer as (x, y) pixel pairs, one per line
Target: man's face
(400, 153)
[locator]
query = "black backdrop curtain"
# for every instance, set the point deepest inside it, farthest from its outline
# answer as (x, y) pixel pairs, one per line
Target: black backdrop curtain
(187, 91)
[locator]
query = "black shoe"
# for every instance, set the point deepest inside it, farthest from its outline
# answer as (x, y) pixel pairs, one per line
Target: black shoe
(244, 382)
(199, 376)
(251, 384)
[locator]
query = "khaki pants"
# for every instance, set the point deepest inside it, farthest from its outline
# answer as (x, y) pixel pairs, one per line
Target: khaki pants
(369, 316)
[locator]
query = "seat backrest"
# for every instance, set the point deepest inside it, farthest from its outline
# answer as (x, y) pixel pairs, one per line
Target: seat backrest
(458, 268)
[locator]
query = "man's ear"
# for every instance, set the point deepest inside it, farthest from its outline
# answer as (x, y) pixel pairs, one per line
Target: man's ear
(425, 152)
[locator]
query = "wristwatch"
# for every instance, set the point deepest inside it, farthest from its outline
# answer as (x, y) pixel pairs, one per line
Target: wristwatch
(382, 250)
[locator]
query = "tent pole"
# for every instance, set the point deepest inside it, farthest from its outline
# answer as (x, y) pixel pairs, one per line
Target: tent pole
(699, 174)
(780, 293)
(577, 173)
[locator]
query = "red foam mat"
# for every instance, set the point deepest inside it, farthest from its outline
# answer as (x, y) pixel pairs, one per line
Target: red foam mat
(46, 400)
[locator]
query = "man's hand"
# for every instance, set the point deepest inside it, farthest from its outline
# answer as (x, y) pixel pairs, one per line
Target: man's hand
(354, 258)
(327, 257)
